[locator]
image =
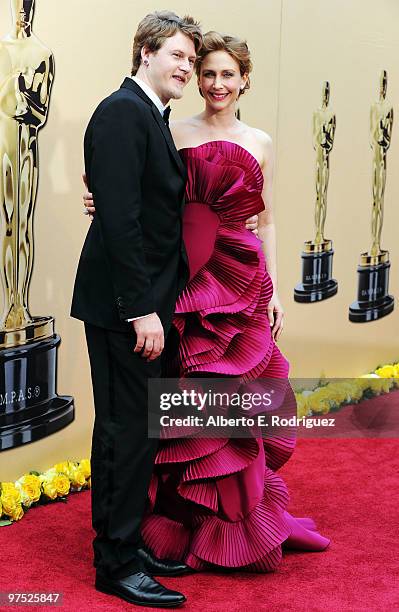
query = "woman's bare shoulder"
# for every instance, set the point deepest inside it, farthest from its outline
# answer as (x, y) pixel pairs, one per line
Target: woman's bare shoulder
(183, 130)
(265, 142)
(258, 141)
(263, 138)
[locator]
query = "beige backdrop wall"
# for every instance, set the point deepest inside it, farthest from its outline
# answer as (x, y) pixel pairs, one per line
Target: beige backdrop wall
(296, 44)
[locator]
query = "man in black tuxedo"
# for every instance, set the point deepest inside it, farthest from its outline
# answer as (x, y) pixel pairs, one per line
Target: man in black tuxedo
(130, 272)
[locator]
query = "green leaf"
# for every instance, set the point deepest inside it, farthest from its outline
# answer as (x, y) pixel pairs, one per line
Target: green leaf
(5, 522)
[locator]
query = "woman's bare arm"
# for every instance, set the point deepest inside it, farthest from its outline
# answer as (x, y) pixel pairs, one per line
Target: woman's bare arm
(267, 233)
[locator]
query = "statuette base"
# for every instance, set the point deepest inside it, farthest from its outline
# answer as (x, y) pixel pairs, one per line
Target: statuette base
(373, 301)
(40, 329)
(30, 408)
(317, 284)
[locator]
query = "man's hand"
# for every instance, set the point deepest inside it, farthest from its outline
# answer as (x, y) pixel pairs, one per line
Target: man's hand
(252, 224)
(150, 336)
(88, 199)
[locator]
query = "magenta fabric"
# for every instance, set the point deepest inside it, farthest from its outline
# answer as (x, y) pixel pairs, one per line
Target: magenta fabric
(220, 502)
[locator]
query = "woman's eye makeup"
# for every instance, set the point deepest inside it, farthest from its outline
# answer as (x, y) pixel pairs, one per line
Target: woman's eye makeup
(227, 75)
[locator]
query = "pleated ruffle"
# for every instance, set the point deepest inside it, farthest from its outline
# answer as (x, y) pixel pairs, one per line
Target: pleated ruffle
(208, 536)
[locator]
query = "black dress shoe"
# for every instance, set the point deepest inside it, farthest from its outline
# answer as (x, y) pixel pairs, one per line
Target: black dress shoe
(162, 567)
(140, 589)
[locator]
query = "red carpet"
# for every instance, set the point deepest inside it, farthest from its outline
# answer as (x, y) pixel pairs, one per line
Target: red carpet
(350, 487)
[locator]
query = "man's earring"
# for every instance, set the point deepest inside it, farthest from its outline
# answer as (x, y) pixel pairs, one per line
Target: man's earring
(145, 62)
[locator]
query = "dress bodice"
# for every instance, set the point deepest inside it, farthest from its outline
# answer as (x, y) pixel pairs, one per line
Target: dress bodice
(224, 188)
(227, 177)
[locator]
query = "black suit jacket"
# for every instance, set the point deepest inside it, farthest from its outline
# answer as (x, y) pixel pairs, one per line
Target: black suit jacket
(133, 260)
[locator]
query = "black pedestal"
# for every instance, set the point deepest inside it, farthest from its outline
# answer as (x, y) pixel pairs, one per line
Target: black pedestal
(373, 300)
(30, 408)
(317, 283)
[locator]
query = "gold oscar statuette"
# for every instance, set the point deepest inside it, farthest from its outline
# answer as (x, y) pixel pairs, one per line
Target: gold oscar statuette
(29, 406)
(373, 300)
(317, 255)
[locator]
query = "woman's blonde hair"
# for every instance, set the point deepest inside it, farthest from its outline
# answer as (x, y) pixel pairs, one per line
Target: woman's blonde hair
(236, 47)
(156, 27)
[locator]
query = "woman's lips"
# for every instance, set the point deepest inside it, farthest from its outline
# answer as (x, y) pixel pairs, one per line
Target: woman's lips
(218, 96)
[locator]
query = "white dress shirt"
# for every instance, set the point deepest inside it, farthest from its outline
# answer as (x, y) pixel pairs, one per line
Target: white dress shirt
(161, 107)
(150, 93)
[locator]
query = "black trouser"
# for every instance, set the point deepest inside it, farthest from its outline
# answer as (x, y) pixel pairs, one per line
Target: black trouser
(122, 456)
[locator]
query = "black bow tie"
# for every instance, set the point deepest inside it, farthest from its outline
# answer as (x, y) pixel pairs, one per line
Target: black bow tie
(166, 114)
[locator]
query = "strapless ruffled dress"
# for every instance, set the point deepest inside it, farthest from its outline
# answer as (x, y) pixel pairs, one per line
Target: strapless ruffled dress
(219, 502)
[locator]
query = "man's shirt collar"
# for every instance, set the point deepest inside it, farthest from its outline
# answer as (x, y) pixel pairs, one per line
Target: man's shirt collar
(150, 93)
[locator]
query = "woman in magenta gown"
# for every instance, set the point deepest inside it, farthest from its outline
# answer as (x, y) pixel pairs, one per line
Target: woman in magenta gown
(219, 503)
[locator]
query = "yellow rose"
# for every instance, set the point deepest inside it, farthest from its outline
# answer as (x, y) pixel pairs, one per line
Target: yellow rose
(336, 393)
(356, 392)
(334, 396)
(380, 385)
(49, 490)
(77, 478)
(351, 391)
(319, 401)
(17, 513)
(53, 480)
(10, 498)
(364, 381)
(302, 408)
(47, 483)
(386, 385)
(29, 486)
(10, 489)
(302, 411)
(62, 484)
(62, 467)
(387, 371)
(84, 467)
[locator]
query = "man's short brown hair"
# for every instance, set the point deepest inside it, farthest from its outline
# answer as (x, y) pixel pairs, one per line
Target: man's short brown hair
(156, 27)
